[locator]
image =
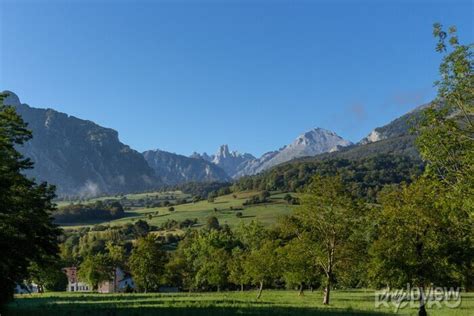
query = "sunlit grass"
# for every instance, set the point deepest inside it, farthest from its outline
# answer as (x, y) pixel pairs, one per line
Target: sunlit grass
(267, 213)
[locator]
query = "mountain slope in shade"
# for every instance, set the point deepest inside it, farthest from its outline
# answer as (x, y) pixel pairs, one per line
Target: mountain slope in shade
(311, 143)
(176, 169)
(80, 157)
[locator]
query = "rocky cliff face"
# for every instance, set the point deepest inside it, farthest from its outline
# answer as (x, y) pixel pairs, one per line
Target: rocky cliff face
(176, 169)
(80, 157)
(230, 162)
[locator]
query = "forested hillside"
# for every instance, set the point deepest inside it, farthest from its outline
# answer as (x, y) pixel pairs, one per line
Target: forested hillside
(365, 176)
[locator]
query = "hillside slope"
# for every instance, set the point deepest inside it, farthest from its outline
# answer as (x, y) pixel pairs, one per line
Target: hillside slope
(80, 157)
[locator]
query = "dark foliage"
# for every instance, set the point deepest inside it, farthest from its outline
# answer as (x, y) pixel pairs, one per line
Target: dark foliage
(27, 234)
(89, 212)
(364, 176)
(202, 189)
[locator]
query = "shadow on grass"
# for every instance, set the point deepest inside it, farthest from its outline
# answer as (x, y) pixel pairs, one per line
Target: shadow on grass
(166, 304)
(181, 311)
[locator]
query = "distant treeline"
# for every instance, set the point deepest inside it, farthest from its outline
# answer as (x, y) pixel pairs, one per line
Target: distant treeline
(204, 189)
(89, 212)
(365, 176)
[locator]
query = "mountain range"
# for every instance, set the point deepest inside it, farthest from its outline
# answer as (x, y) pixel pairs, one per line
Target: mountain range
(311, 143)
(85, 159)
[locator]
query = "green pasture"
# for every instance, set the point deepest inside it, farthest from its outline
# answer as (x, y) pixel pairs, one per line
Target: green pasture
(267, 213)
(272, 302)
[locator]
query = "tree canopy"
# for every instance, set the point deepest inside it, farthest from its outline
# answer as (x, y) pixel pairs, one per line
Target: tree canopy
(27, 232)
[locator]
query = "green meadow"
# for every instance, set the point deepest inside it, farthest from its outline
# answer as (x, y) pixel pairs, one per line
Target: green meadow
(354, 302)
(225, 208)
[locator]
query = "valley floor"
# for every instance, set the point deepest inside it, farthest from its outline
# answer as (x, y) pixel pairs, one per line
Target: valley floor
(224, 208)
(356, 302)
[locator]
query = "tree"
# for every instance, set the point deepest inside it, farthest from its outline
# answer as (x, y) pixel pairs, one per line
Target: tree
(213, 223)
(212, 267)
(96, 269)
(300, 269)
(147, 262)
(262, 265)
(251, 235)
(446, 138)
(418, 240)
(446, 134)
(264, 195)
(236, 268)
(325, 222)
(116, 254)
(141, 228)
(48, 276)
(180, 269)
(27, 233)
(211, 196)
(288, 198)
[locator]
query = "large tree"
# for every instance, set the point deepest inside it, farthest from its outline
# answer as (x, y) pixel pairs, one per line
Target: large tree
(419, 239)
(262, 265)
(446, 135)
(425, 230)
(27, 232)
(446, 139)
(299, 269)
(326, 223)
(147, 263)
(96, 269)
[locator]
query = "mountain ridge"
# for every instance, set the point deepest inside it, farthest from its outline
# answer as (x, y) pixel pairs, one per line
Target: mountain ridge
(79, 156)
(84, 158)
(310, 143)
(176, 169)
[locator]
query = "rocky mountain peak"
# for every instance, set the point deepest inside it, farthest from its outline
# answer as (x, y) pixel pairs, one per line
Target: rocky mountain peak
(175, 169)
(224, 152)
(311, 143)
(11, 99)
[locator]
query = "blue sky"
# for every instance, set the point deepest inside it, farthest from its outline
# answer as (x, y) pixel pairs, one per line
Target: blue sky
(187, 76)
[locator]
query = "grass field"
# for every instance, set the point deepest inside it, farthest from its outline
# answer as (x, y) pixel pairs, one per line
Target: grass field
(225, 303)
(267, 213)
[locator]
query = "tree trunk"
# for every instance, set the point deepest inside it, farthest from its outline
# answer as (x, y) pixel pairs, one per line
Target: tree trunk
(260, 290)
(422, 309)
(241, 287)
(218, 288)
(300, 292)
(327, 292)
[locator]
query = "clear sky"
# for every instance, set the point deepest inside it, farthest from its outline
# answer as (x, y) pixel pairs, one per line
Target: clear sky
(187, 76)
